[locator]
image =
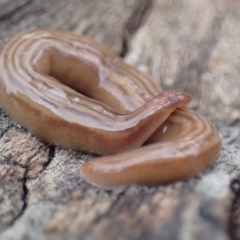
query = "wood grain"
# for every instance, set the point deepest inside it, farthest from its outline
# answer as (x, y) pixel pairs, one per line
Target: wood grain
(188, 45)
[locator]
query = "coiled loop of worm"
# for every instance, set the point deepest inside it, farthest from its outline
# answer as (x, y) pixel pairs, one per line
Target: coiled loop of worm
(70, 90)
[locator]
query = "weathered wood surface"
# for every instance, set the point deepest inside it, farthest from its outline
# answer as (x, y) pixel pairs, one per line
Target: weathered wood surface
(189, 45)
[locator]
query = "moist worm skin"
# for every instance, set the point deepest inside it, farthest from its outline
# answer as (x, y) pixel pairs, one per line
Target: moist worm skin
(72, 91)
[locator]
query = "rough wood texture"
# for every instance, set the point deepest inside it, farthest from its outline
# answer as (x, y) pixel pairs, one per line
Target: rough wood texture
(189, 45)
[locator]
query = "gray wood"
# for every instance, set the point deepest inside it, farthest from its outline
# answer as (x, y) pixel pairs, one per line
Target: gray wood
(189, 45)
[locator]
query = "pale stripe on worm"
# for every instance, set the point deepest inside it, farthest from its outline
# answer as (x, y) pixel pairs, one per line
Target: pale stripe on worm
(70, 90)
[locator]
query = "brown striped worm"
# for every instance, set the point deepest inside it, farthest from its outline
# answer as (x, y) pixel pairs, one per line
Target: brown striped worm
(72, 91)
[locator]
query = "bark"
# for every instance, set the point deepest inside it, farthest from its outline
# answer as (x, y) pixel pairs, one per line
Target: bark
(188, 45)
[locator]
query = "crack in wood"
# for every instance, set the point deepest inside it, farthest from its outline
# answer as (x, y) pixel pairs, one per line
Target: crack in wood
(12, 12)
(133, 23)
(51, 155)
(25, 194)
(24, 199)
(234, 217)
